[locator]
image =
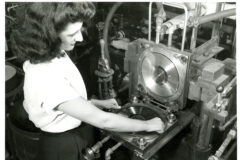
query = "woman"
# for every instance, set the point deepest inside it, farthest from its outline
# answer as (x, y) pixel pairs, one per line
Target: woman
(54, 92)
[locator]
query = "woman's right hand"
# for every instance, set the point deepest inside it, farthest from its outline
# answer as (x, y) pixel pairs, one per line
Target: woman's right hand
(155, 124)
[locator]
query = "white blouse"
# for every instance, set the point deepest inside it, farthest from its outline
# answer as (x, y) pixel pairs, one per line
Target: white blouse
(47, 85)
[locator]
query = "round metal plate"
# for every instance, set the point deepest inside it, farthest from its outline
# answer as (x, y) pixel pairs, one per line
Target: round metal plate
(141, 112)
(159, 74)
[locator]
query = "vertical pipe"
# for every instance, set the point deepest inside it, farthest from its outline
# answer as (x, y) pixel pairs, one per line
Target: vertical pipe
(157, 37)
(149, 21)
(216, 27)
(234, 46)
(100, 89)
(203, 130)
(195, 28)
(185, 20)
(170, 39)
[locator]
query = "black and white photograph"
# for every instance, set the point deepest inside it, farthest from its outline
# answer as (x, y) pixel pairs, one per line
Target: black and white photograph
(120, 80)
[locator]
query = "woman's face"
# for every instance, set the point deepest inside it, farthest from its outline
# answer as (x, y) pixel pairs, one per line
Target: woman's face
(71, 35)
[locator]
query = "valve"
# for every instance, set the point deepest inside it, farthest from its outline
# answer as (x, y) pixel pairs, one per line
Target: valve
(219, 90)
(93, 152)
(105, 75)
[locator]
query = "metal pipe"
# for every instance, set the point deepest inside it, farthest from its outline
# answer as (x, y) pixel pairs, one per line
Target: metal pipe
(170, 39)
(106, 28)
(195, 28)
(203, 132)
(91, 152)
(230, 151)
(149, 21)
(185, 21)
(111, 150)
(216, 26)
(230, 136)
(234, 46)
(211, 17)
(158, 21)
(157, 37)
(229, 86)
(230, 121)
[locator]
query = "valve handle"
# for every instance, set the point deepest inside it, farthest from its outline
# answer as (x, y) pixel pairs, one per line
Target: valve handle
(220, 89)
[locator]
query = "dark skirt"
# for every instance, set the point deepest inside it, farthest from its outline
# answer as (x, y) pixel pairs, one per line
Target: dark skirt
(68, 145)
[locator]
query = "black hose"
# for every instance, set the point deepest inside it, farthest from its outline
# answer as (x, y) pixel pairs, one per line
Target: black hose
(106, 29)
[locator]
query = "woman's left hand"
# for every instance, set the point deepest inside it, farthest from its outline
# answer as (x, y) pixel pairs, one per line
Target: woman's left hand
(110, 104)
(107, 103)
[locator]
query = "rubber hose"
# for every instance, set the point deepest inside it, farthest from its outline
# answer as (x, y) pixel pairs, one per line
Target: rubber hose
(106, 29)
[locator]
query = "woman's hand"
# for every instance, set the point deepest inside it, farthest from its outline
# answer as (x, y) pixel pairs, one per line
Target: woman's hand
(107, 104)
(110, 104)
(156, 124)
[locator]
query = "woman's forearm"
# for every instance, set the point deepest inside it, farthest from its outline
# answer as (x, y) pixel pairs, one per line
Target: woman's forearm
(120, 123)
(96, 103)
(85, 111)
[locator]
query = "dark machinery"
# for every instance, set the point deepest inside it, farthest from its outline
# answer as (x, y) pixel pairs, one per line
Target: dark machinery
(168, 63)
(162, 77)
(157, 83)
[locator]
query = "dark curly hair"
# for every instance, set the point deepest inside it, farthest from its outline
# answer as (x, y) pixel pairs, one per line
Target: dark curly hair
(38, 39)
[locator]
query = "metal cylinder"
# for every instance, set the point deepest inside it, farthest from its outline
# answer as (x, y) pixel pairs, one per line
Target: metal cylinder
(111, 150)
(170, 39)
(203, 130)
(211, 17)
(230, 151)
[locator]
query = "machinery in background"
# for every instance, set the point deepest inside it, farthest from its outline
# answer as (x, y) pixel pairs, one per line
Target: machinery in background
(167, 64)
(162, 77)
(104, 74)
(158, 77)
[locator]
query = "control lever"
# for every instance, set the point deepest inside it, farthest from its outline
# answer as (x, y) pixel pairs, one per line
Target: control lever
(221, 102)
(228, 89)
(219, 90)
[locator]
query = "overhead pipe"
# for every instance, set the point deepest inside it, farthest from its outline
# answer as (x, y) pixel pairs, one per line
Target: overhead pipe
(214, 16)
(178, 5)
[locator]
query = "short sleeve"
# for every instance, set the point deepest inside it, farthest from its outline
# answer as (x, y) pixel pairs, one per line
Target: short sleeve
(56, 90)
